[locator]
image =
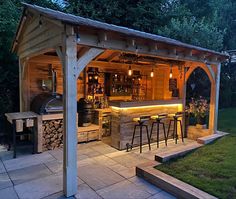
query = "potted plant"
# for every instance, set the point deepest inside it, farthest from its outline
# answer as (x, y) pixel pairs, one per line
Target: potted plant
(199, 108)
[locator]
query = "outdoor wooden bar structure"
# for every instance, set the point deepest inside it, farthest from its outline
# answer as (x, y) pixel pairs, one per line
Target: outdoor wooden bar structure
(72, 45)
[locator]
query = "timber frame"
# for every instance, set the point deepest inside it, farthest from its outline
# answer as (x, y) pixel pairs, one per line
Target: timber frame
(79, 41)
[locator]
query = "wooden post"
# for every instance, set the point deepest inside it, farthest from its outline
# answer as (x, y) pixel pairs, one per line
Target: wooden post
(69, 114)
(71, 70)
(21, 83)
(214, 101)
(184, 99)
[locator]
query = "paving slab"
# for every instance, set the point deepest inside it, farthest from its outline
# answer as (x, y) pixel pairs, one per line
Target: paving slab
(86, 162)
(29, 173)
(117, 167)
(8, 193)
(27, 161)
(123, 190)
(85, 192)
(162, 195)
(104, 160)
(143, 184)
(104, 149)
(5, 181)
(58, 195)
(2, 168)
(130, 159)
(80, 181)
(82, 157)
(88, 152)
(55, 166)
(40, 188)
(57, 154)
(127, 173)
(97, 176)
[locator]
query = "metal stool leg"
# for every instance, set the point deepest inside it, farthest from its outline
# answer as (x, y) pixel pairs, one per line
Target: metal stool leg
(152, 130)
(163, 124)
(133, 136)
(149, 143)
(181, 129)
(175, 131)
(158, 134)
(169, 129)
(141, 137)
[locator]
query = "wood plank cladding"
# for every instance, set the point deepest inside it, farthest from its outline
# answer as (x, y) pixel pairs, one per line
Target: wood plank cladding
(37, 69)
(123, 125)
(40, 71)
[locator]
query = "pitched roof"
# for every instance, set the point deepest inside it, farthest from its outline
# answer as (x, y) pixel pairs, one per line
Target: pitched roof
(81, 21)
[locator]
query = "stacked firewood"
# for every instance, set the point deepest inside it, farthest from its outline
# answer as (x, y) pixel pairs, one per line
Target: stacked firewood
(52, 134)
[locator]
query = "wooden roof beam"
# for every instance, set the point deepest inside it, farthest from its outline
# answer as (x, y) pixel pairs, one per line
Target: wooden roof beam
(113, 56)
(87, 39)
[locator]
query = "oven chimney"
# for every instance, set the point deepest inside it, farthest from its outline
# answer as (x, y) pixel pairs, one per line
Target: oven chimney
(53, 75)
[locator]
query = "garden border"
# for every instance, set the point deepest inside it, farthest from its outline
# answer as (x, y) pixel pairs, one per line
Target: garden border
(170, 184)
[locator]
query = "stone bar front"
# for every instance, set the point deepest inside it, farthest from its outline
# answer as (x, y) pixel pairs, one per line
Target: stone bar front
(122, 119)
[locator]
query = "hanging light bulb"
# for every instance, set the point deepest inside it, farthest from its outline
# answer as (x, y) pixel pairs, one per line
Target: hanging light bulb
(152, 73)
(129, 71)
(171, 74)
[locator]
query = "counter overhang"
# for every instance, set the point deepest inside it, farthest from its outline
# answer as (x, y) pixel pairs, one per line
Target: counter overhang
(144, 104)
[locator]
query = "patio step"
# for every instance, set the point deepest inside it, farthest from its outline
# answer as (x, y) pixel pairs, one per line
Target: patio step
(174, 153)
(211, 138)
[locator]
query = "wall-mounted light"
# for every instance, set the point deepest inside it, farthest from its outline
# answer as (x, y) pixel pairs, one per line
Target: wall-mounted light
(152, 73)
(96, 76)
(171, 74)
(130, 71)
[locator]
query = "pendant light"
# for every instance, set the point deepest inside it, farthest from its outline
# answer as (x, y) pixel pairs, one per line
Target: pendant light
(130, 71)
(152, 73)
(171, 74)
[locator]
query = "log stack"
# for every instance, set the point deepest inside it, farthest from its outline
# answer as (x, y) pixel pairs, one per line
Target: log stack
(52, 134)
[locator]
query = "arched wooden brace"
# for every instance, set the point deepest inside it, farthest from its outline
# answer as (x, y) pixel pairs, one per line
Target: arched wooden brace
(214, 77)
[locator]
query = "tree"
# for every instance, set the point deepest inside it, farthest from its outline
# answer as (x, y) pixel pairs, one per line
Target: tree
(192, 31)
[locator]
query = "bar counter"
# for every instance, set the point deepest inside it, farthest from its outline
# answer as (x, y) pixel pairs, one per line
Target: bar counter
(123, 113)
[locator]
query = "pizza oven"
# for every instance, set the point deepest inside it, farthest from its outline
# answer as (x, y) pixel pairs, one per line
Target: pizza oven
(47, 103)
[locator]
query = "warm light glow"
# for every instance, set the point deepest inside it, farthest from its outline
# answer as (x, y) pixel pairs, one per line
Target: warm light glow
(151, 106)
(171, 75)
(129, 71)
(152, 73)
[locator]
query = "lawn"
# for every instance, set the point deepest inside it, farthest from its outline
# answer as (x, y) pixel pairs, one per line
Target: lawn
(211, 168)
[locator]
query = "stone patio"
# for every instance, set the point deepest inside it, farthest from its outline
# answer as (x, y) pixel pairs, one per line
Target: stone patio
(103, 172)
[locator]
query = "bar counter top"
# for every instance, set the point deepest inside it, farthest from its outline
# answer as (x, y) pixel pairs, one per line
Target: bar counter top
(132, 104)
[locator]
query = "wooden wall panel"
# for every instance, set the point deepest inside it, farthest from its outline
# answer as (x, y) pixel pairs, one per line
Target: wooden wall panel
(157, 87)
(38, 72)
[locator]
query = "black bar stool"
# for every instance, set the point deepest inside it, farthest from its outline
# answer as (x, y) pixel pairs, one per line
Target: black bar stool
(141, 120)
(158, 121)
(175, 119)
